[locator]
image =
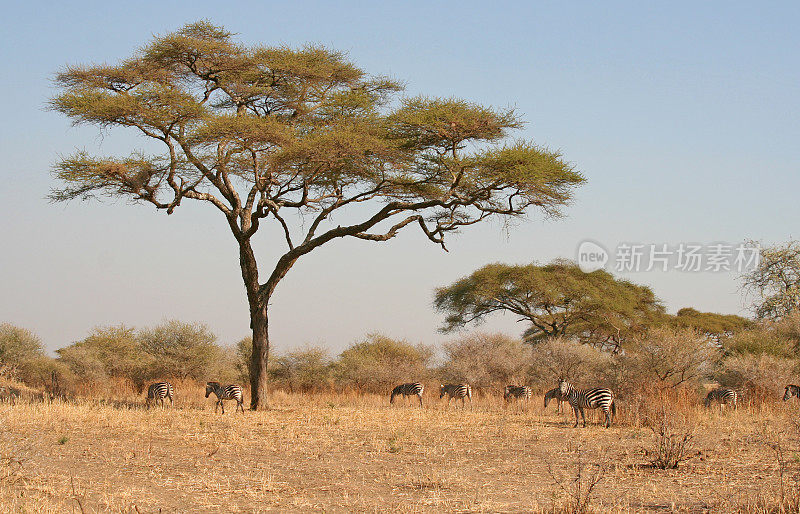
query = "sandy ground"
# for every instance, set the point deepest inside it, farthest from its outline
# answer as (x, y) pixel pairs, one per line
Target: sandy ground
(352, 454)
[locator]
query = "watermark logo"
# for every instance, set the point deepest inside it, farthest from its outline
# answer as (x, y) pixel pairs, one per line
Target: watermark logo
(591, 256)
(685, 257)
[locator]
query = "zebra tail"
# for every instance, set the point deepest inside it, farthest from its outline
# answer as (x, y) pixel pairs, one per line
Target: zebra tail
(614, 407)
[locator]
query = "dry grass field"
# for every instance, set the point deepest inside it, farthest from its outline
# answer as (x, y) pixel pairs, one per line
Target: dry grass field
(356, 453)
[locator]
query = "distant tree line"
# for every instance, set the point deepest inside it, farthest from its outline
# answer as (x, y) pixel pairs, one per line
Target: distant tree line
(588, 327)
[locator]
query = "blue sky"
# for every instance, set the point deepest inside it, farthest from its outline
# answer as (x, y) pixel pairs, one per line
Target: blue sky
(684, 117)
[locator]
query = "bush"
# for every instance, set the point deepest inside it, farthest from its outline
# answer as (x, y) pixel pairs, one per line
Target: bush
(180, 350)
(21, 353)
(108, 352)
(306, 369)
(672, 443)
(667, 357)
(380, 362)
(560, 358)
(762, 376)
(761, 341)
(486, 360)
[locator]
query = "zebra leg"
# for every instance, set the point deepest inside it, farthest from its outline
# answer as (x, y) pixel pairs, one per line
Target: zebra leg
(420, 399)
(577, 418)
(583, 415)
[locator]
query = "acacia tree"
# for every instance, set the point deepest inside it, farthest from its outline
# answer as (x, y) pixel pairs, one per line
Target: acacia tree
(557, 299)
(776, 281)
(294, 137)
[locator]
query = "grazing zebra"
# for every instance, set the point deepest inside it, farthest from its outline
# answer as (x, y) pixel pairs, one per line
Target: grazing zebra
(723, 395)
(791, 390)
(516, 392)
(228, 392)
(408, 389)
(595, 398)
(553, 394)
(159, 391)
(456, 391)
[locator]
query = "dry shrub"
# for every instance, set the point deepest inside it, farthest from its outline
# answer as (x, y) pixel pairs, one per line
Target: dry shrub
(667, 357)
(672, 443)
(577, 486)
(486, 360)
(579, 363)
(379, 362)
(306, 369)
(761, 376)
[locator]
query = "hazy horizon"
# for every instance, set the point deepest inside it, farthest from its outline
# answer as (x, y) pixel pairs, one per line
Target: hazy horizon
(683, 118)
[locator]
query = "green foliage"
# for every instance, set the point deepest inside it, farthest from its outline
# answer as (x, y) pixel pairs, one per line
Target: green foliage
(486, 360)
(178, 349)
(18, 345)
(556, 299)
(760, 341)
(305, 369)
(776, 281)
(379, 362)
(714, 326)
(108, 352)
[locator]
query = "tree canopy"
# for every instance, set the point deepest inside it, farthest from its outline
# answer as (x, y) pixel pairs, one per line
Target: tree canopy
(556, 299)
(294, 137)
(776, 281)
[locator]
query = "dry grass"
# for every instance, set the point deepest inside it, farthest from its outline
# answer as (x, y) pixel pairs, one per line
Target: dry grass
(355, 453)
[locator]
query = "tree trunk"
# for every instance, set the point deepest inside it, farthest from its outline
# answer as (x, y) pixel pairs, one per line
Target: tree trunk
(260, 357)
(259, 326)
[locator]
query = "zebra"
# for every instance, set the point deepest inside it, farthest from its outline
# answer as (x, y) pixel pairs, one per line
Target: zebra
(791, 390)
(553, 394)
(228, 392)
(159, 391)
(456, 391)
(408, 389)
(723, 395)
(512, 392)
(595, 398)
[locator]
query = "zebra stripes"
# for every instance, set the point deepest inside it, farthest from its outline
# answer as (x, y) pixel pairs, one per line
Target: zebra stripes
(553, 394)
(513, 392)
(723, 396)
(595, 398)
(159, 391)
(456, 391)
(791, 390)
(228, 392)
(408, 389)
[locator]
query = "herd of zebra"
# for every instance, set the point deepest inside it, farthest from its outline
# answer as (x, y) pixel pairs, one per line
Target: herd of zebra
(579, 399)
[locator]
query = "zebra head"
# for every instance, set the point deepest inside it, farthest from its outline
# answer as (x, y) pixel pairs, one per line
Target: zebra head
(211, 387)
(563, 386)
(786, 394)
(507, 392)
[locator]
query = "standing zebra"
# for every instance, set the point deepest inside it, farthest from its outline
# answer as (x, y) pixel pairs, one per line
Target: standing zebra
(517, 392)
(791, 390)
(159, 391)
(228, 392)
(456, 391)
(553, 394)
(408, 389)
(595, 398)
(723, 395)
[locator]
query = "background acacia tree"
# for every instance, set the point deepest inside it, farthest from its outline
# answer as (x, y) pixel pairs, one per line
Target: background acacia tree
(776, 281)
(557, 299)
(294, 136)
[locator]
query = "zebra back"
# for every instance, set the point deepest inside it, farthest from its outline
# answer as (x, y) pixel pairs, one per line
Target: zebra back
(723, 395)
(159, 391)
(455, 391)
(512, 392)
(594, 398)
(407, 389)
(791, 390)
